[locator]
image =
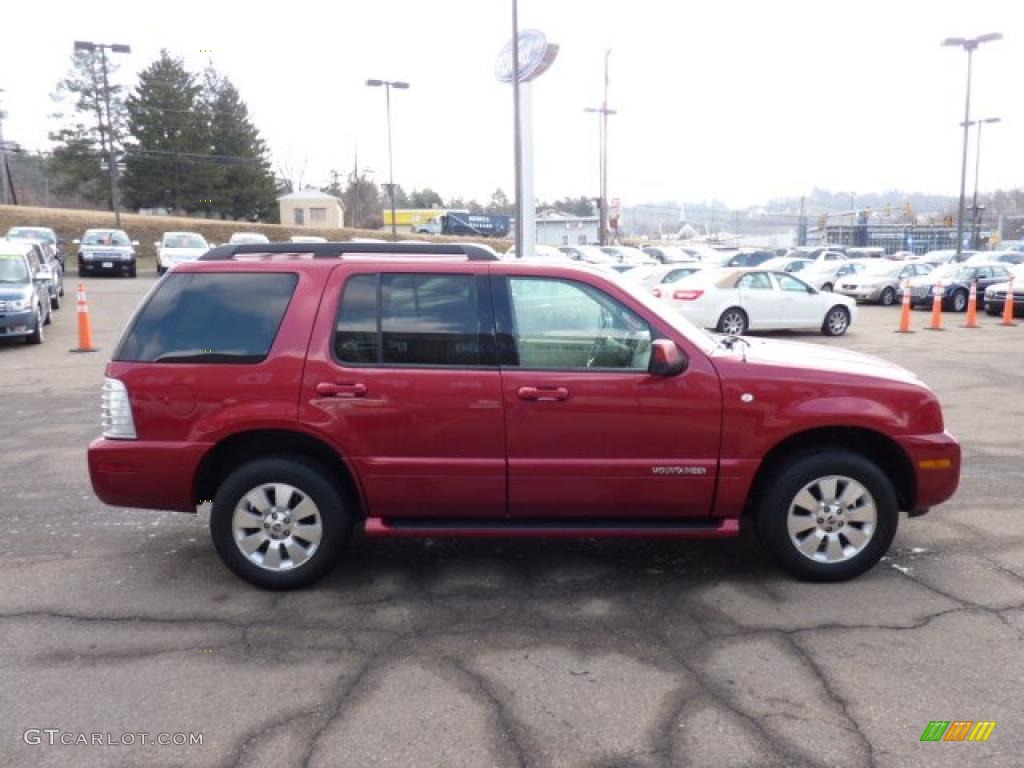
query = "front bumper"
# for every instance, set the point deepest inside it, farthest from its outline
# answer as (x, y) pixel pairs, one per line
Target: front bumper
(144, 474)
(20, 323)
(860, 293)
(936, 463)
(109, 263)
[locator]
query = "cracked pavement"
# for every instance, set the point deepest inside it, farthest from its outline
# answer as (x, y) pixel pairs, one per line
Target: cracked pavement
(506, 653)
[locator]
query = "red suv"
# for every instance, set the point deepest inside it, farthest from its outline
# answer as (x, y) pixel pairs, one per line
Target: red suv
(435, 390)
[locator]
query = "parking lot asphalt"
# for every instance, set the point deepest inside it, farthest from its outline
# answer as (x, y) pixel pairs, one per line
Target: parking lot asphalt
(505, 653)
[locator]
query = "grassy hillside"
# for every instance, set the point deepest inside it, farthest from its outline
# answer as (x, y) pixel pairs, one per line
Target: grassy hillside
(70, 224)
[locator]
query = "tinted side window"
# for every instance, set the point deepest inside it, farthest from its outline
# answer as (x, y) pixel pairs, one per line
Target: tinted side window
(209, 318)
(430, 320)
(355, 333)
(412, 319)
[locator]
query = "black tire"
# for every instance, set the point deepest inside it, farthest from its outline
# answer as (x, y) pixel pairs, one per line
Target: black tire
(37, 336)
(786, 481)
(83, 271)
(827, 287)
(888, 297)
(160, 269)
(958, 301)
(736, 319)
(837, 321)
(312, 481)
(131, 271)
(55, 301)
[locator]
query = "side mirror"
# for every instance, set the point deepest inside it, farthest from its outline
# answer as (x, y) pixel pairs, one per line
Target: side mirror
(667, 359)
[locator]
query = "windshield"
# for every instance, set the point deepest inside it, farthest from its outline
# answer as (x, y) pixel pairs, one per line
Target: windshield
(246, 239)
(105, 237)
(31, 233)
(13, 269)
(882, 270)
(185, 241)
(945, 272)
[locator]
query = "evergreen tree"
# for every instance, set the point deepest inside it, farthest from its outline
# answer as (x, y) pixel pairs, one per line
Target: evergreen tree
(170, 139)
(241, 183)
(78, 166)
(500, 203)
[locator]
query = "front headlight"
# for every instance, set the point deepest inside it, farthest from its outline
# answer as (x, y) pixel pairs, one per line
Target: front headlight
(17, 305)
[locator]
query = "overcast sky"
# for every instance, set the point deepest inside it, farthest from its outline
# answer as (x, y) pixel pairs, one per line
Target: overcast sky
(728, 99)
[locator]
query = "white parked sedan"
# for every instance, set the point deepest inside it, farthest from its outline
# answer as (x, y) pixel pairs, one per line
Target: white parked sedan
(656, 278)
(176, 247)
(734, 301)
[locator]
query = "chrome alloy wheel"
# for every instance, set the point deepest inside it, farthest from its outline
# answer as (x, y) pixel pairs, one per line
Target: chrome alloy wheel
(733, 323)
(276, 526)
(832, 519)
(838, 321)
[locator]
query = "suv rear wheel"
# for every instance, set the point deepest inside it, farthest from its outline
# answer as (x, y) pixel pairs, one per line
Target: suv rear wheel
(828, 516)
(279, 523)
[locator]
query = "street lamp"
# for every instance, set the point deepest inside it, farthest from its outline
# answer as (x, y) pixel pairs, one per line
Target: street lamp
(975, 233)
(969, 44)
(388, 85)
(83, 45)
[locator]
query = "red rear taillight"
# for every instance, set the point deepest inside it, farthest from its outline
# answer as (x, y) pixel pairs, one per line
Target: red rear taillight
(657, 293)
(685, 295)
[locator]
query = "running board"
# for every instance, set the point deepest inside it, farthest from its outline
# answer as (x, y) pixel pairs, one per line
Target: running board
(631, 529)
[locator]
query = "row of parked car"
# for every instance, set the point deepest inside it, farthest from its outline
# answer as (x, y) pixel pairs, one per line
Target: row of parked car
(736, 290)
(31, 283)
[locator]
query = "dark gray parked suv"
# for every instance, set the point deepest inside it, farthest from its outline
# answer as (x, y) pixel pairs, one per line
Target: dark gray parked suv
(24, 297)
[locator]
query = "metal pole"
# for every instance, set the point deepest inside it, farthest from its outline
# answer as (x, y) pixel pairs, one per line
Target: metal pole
(355, 193)
(391, 170)
(604, 141)
(3, 162)
(974, 205)
(518, 139)
(115, 198)
(963, 164)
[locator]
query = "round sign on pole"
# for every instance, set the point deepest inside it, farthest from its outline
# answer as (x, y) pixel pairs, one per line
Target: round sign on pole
(535, 55)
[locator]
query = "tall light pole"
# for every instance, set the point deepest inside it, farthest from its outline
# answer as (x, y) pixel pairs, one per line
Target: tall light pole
(388, 85)
(975, 229)
(969, 44)
(83, 45)
(603, 111)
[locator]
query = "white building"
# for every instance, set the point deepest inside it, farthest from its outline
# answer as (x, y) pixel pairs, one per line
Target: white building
(312, 209)
(561, 229)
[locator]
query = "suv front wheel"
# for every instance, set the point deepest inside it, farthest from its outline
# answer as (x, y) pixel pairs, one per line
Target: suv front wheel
(828, 516)
(279, 523)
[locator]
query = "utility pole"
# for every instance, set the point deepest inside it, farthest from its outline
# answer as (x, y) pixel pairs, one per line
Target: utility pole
(603, 111)
(115, 196)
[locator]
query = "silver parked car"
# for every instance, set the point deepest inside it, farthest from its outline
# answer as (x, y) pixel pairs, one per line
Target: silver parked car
(880, 282)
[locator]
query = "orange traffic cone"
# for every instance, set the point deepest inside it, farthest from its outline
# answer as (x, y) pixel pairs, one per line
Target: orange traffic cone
(1008, 305)
(936, 323)
(972, 306)
(84, 324)
(905, 310)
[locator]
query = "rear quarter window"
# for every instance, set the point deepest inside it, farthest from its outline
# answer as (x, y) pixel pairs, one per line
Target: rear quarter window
(209, 318)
